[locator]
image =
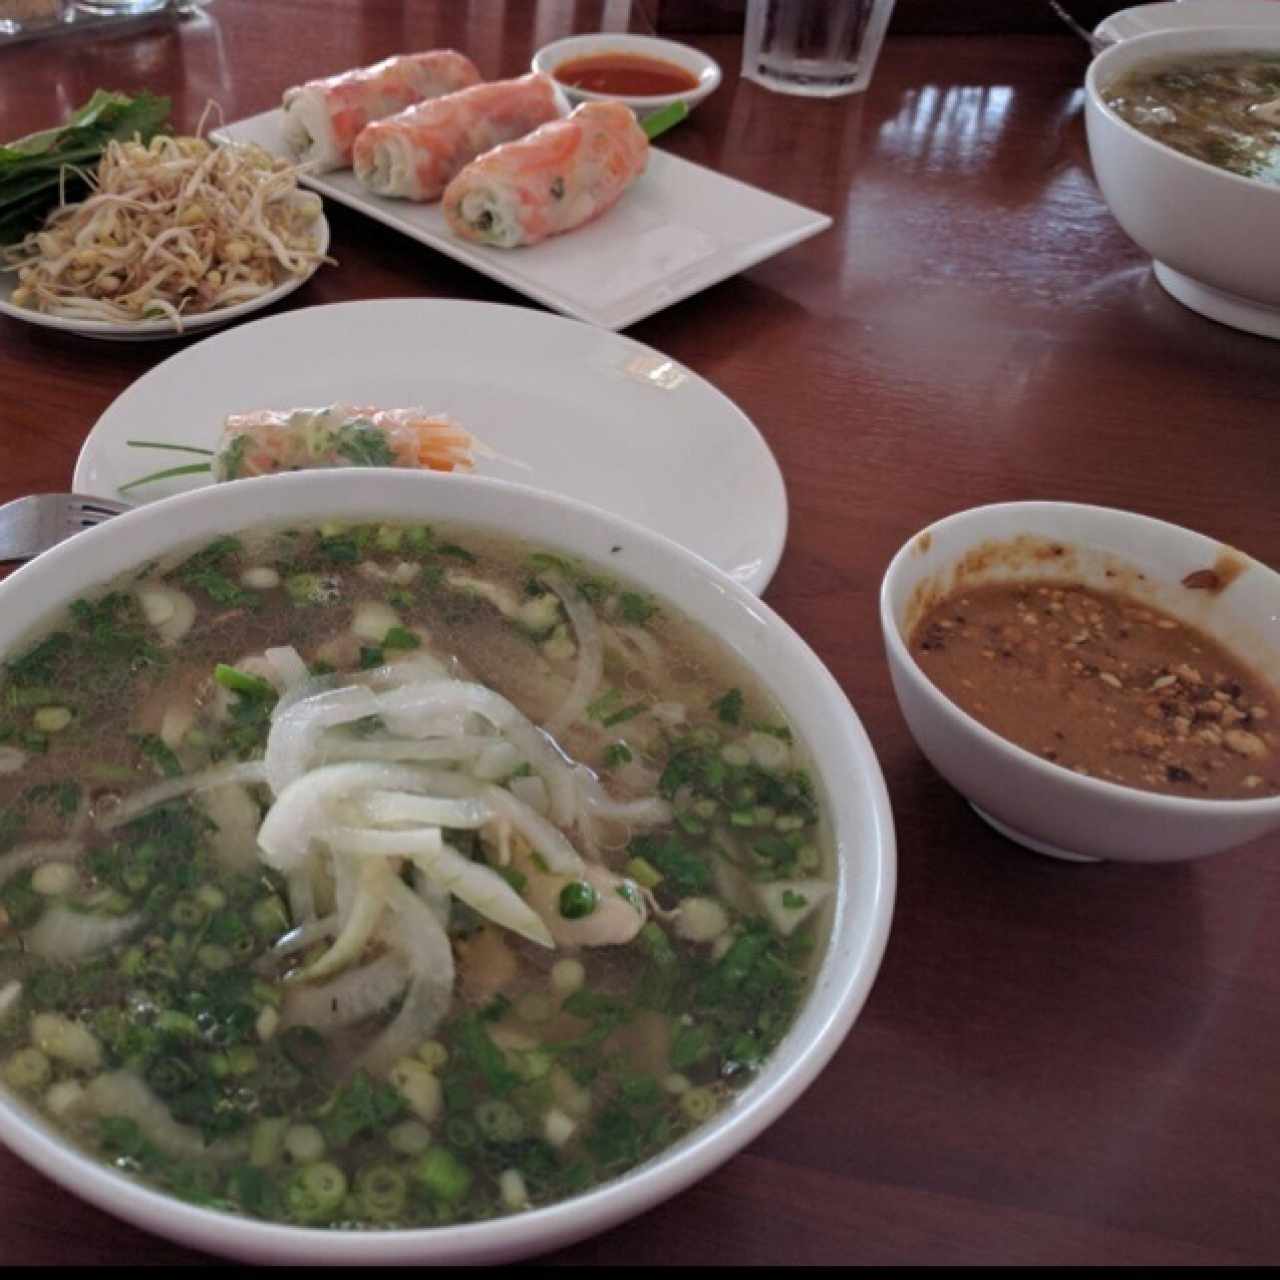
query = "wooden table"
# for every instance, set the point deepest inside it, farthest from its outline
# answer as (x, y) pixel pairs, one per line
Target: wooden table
(1057, 1064)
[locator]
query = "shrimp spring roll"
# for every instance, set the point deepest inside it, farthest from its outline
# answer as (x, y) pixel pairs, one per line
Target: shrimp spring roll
(559, 177)
(322, 118)
(341, 435)
(417, 153)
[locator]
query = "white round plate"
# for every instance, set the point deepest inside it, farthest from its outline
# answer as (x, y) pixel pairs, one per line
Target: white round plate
(1187, 15)
(149, 330)
(567, 407)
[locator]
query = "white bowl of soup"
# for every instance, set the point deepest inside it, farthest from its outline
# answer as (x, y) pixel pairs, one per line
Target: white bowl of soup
(405, 868)
(1184, 135)
(1097, 684)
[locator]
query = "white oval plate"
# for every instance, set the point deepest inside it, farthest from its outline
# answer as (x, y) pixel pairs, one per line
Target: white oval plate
(1187, 15)
(149, 330)
(568, 408)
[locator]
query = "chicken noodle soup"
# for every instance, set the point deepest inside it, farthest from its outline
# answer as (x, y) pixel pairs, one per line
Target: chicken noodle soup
(374, 876)
(1223, 109)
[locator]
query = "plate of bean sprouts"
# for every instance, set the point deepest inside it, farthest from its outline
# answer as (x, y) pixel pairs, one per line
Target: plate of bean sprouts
(175, 235)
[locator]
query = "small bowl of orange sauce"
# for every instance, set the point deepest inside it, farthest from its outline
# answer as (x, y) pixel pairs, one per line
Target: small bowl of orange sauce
(645, 72)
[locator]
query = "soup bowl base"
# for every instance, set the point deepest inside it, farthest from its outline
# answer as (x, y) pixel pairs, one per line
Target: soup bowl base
(1030, 842)
(1216, 304)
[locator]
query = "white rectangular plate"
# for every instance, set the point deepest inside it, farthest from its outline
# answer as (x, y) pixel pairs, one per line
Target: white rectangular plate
(679, 228)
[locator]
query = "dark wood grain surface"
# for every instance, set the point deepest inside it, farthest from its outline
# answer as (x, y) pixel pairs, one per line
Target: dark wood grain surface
(1057, 1064)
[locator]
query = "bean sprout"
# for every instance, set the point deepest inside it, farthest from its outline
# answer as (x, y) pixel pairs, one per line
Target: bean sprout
(179, 226)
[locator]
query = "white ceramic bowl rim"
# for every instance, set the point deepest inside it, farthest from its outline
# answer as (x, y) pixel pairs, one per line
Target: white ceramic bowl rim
(1159, 802)
(697, 63)
(1180, 40)
(840, 986)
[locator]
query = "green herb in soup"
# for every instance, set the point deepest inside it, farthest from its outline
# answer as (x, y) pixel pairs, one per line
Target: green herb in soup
(382, 875)
(1223, 109)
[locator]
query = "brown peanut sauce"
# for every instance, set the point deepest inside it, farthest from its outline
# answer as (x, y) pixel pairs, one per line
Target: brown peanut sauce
(1105, 685)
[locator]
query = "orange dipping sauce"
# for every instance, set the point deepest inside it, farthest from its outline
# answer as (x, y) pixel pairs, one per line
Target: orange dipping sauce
(628, 75)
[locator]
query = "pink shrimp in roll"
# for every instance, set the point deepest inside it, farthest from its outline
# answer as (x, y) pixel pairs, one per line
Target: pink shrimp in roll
(559, 177)
(323, 118)
(416, 154)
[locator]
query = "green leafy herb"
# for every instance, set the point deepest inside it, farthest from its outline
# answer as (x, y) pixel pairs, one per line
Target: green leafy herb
(729, 707)
(363, 445)
(31, 168)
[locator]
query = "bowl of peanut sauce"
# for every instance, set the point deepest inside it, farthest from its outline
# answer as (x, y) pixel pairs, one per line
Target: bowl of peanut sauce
(1096, 683)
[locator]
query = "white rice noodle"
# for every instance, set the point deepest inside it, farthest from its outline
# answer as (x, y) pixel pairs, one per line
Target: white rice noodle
(66, 935)
(426, 947)
(360, 921)
(479, 886)
(296, 730)
(36, 855)
(302, 810)
(247, 773)
(586, 680)
(349, 998)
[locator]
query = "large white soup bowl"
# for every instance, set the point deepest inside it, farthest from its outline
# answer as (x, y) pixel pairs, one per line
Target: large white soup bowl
(1210, 232)
(847, 776)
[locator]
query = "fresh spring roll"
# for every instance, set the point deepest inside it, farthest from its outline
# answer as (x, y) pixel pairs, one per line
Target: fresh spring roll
(341, 435)
(416, 154)
(559, 177)
(322, 118)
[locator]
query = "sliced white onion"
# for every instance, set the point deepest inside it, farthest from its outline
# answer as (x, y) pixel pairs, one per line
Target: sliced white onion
(361, 920)
(247, 773)
(426, 946)
(170, 611)
(289, 666)
(590, 667)
(302, 809)
(479, 886)
(66, 935)
(389, 808)
(349, 998)
(546, 838)
(296, 729)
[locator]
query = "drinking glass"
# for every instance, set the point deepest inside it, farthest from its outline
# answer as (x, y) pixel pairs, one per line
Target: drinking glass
(819, 48)
(24, 15)
(114, 7)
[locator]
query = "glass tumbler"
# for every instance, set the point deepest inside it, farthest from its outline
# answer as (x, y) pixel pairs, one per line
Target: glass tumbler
(818, 48)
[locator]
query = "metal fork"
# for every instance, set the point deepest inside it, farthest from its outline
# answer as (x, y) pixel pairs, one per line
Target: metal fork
(33, 524)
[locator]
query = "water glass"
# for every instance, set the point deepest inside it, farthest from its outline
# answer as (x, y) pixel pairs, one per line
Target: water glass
(25, 15)
(818, 48)
(113, 8)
